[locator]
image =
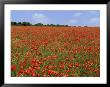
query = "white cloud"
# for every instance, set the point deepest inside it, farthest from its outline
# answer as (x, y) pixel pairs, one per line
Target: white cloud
(24, 19)
(77, 14)
(72, 22)
(96, 19)
(40, 18)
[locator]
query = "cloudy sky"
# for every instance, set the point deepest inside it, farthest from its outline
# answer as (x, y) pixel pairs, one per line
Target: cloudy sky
(70, 17)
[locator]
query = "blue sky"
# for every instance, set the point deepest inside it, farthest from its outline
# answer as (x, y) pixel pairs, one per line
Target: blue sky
(70, 17)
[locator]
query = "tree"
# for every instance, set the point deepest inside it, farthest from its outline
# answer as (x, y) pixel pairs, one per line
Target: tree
(13, 23)
(19, 23)
(66, 25)
(39, 24)
(57, 25)
(26, 23)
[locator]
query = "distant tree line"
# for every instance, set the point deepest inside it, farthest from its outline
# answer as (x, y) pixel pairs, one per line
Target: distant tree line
(38, 24)
(21, 23)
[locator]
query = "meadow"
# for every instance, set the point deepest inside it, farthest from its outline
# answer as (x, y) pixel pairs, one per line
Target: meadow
(55, 51)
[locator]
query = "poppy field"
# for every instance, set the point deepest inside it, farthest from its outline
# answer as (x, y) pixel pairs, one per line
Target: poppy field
(55, 51)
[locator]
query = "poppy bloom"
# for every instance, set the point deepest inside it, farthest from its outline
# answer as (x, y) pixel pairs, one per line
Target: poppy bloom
(76, 64)
(21, 71)
(27, 71)
(54, 56)
(65, 75)
(70, 65)
(13, 67)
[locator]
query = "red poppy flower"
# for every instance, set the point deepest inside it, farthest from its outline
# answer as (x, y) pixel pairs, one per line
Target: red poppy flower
(13, 67)
(76, 64)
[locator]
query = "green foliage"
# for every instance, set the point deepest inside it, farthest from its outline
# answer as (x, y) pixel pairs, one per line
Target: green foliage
(13, 23)
(38, 24)
(21, 23)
